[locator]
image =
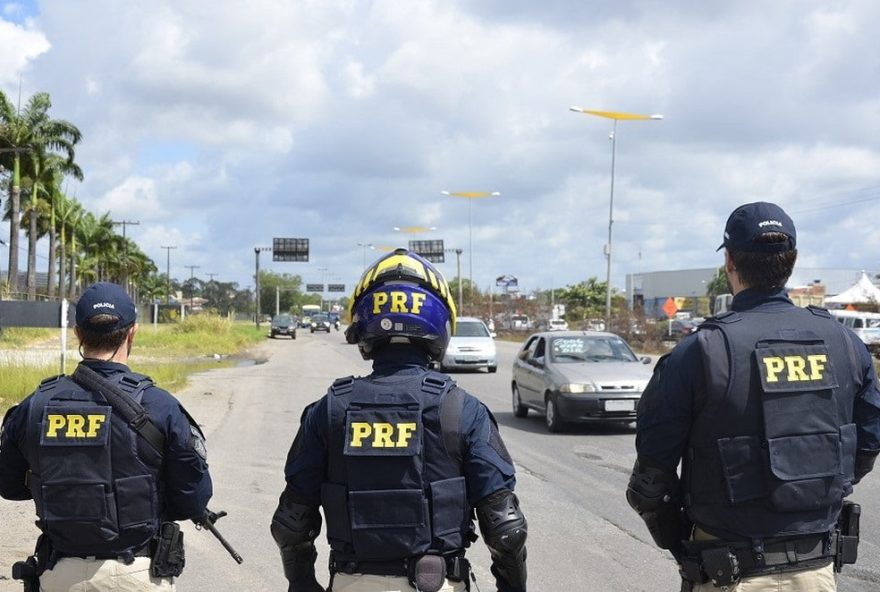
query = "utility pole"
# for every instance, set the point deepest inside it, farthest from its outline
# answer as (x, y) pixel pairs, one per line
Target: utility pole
(125, 223)
(192, 269)
(168, 274)
(323, 270)
(211, 276)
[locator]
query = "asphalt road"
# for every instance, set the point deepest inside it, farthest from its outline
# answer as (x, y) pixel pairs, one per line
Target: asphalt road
(582, 534)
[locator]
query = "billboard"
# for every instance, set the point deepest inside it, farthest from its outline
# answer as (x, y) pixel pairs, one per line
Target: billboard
(314, 288)
(336, 287)
(432, 250)
(290, 249)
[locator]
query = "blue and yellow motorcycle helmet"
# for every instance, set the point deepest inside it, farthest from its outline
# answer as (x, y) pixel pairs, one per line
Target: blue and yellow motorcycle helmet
(401, 297)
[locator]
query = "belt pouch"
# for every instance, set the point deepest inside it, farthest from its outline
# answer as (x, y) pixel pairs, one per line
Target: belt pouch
(428, 573)
(721, 566)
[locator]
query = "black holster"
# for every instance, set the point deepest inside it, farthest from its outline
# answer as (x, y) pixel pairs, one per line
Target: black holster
(29, 570)
(848, 535)
(168, 556)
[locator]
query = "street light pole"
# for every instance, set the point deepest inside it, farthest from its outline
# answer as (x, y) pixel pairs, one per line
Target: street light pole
(365, 247)
(323, 270)
(168, 273)
(257, 284)
(615, 116)
(470, 196)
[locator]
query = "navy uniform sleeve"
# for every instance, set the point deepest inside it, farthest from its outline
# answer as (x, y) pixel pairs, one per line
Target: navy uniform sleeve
(307, 458)
(487, 465)
(186, 482)
(666, 407)
(13, 465)
(866, 408)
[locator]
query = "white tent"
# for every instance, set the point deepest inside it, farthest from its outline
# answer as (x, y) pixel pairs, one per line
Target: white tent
(863, 292)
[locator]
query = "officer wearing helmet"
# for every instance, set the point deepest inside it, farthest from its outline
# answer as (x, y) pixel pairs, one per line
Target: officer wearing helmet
(399, 459)
(773, 412)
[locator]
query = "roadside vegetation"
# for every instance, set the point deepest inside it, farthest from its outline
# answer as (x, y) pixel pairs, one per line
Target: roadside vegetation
(169, 354)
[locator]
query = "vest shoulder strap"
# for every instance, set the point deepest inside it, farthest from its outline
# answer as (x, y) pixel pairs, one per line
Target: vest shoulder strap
(451, 409)
(725, 318)
(342, 386)
(130, 410)
(819, 311)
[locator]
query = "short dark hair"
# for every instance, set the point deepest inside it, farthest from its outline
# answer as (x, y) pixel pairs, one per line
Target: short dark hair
(103, 341)
(765, 271)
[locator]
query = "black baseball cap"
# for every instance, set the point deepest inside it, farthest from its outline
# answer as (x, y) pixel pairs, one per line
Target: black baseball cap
(750, 221)
(105, 298)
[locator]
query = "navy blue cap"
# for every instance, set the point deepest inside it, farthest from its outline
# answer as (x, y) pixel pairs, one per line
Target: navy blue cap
(105, 298)
(750, 221)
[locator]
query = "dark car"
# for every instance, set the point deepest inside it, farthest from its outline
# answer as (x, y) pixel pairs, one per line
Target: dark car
(320, 322)
(578, 376)
(283, 324)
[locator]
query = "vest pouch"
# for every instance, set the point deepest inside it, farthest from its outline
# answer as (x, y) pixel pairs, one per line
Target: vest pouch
(334, 499)
(136, 501)
(449, 515)
(79, 515)
(805, 472)
(389, 524)
(742, 464)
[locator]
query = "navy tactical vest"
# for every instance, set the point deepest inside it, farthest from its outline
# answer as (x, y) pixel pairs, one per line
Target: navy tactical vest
(772, 447)
(395, 487)
(96, 490)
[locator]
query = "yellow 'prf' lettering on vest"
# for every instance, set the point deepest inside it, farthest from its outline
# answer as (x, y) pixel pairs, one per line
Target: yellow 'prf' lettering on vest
(795, 368)
(381, 434)
(74, 425)
(400, 302)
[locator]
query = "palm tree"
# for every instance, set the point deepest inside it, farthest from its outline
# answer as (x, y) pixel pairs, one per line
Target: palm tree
(63, 214)
(33, 133)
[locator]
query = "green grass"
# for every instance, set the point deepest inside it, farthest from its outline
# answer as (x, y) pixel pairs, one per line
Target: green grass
(169, 354)
(17, 336)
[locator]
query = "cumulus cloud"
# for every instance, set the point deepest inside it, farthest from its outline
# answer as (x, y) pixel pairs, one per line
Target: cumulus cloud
(339, 120)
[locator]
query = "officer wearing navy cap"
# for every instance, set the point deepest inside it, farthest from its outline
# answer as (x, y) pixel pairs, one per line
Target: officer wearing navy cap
(774, 413)
(399, 459)
(101, 491)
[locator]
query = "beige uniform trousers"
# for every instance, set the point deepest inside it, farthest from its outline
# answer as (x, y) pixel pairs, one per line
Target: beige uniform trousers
(820, 579)
(73, 574)
(343, 582)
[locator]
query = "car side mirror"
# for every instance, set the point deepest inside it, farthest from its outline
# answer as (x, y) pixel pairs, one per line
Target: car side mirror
(537, 362)
(645, 359)
(493, 334)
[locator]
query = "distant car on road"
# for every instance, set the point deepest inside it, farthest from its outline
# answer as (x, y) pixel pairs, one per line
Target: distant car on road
(283, 324)
(471, 346)
(320, 322)
(578, 376)
(557, 325)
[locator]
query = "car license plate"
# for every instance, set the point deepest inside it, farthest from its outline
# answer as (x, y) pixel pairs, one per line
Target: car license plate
(620, 405)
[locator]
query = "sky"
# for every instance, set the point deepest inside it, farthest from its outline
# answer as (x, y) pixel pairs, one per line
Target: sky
(220, 125)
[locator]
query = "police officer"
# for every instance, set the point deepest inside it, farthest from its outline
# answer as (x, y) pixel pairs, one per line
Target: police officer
(101, 490)
(399, 459)
(774, 412)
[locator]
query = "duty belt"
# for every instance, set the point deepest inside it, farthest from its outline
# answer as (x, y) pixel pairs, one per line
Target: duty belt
(724, 562)
(457, 567)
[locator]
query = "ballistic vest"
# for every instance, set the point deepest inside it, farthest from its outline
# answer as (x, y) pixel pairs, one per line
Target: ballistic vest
(395, 486)
(772, 447)
(96, 490)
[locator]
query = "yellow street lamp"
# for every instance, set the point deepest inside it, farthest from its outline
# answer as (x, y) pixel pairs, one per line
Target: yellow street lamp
(470, 196)
(616, 116)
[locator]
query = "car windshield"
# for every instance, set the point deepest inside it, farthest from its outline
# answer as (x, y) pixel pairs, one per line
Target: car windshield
(319, 318)
(282, 320)
(470, 329)
(610, 348)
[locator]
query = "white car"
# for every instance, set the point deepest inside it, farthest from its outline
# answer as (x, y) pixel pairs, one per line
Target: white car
(557, 325)
(471, 346)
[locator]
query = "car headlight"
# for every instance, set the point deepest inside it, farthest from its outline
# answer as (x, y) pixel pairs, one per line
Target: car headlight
(577, 388)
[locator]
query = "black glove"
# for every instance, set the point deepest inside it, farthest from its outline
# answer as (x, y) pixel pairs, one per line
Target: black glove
(299, 569)
(864, 464)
